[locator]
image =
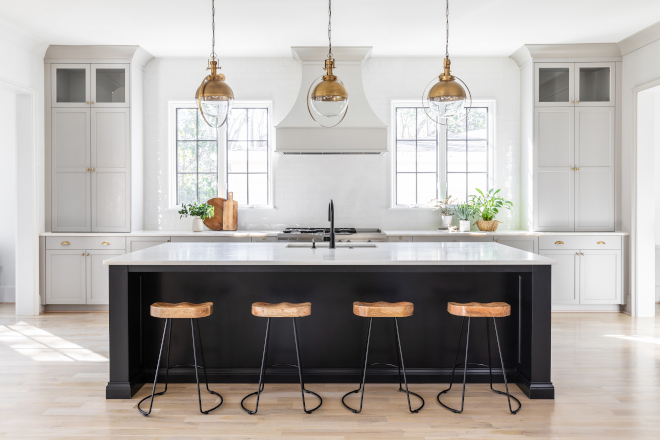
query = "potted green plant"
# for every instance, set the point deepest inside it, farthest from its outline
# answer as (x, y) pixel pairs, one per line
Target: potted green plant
(464, 211)
(444, 206)
(487, 205)
(199, 212)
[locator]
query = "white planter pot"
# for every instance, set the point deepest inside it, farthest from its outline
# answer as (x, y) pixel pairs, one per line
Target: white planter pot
(464, 225)
(198, 224)
(446, 221)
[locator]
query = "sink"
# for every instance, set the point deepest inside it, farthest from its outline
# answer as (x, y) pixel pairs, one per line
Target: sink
(325, 245)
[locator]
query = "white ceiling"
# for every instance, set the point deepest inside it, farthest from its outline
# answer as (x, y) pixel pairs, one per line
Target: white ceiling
(255, 28)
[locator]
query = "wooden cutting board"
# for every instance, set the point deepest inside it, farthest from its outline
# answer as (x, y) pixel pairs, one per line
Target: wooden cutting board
(230, 214)
(215, 222)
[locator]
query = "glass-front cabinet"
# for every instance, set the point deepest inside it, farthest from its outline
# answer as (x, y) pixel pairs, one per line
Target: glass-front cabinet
(90, 85)
(574, 84)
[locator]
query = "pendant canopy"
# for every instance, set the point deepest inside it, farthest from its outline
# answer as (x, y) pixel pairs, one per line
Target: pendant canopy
(328, 98)
(214, 96)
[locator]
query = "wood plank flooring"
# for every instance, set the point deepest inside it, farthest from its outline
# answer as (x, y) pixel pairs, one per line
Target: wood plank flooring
(53, 372)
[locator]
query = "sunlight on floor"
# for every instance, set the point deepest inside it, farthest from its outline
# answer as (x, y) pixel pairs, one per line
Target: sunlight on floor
(42, 346)
(638, 338)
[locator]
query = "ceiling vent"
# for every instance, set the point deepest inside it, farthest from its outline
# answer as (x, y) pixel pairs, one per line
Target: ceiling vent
(361, 131)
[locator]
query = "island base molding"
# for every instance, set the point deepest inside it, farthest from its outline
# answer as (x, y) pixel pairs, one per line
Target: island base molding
(332, 338)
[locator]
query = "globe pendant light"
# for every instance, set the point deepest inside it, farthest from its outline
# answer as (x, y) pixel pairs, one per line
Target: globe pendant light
(328, 98)
(214, 96)
(447, 98)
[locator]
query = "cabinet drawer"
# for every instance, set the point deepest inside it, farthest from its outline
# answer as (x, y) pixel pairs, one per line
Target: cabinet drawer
(75, 242)
(264, 239)
(400, 238)
(225, 239)
(452, 239)
(580, 242)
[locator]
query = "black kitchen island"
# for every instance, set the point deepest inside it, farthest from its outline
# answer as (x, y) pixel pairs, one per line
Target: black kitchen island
(234, 275)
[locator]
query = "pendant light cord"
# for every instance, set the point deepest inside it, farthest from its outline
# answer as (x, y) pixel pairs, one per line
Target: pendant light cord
(447, 41)
(213, 28)
(329, 28)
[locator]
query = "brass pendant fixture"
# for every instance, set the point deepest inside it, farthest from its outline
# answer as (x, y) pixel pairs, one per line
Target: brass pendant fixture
(214, 96)
(447, 98)
(329, 97)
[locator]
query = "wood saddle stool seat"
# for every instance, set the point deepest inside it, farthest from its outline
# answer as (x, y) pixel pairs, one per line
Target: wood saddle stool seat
(181, 310)
(281, 310)
(382, 309)
(479, 310)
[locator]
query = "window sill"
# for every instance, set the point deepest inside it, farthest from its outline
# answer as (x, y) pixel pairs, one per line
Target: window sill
(410, 208)
(176, 209)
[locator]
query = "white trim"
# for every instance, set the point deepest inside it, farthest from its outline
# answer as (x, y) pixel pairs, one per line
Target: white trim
(640, 39)
(635, 237)
(490, 104)
(222, 157)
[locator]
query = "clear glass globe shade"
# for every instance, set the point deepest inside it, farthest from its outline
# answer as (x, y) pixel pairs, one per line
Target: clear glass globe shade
(446, 109)
(216, 111)
(329, 109)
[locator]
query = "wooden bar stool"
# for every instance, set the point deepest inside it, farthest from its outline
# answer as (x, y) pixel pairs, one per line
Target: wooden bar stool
(281, 310)
(178, 311)
(382, 309)
(479, 310)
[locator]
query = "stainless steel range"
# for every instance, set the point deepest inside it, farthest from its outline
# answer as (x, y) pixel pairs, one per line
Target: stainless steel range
(323, 234)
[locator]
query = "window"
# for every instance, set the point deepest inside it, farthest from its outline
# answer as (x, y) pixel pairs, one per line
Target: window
(234, 158)
(432, 160)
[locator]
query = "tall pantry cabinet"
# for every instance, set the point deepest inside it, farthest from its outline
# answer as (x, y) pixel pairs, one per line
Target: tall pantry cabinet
(94, 101)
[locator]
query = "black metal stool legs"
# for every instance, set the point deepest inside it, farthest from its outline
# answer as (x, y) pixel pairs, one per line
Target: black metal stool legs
(400, 366)
(265, 365)
(201, 349)
(490, 369)
(168, 329)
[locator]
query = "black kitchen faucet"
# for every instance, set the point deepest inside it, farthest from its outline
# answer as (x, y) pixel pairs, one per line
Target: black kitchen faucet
(331, 219)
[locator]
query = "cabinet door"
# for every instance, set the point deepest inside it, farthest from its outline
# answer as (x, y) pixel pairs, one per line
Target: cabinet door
(110, 85)
(594, 175)
(110, 158)
(65, 277)
(70, 162)
(98, 287)
(554, 190)
(528, 244)
(554, 84)
(600, 277)
(134, 244)
(70, 85)
(565, 276)
(595, 84)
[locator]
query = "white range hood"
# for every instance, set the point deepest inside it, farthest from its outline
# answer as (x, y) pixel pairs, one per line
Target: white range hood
(361, 131)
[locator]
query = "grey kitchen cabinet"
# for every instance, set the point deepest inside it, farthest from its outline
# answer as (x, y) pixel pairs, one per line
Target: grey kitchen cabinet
(529, 244)
(66, 277)
(576, 84)
(451, 239)
(564, 278)
(400, 238)
(97, 275)
(600, 277)
(134, 244)
(90, 85)
(185, 239)
(264, 239)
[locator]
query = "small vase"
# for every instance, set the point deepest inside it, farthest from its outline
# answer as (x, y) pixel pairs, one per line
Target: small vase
(446, 221)
(198, 224)
(465, 225)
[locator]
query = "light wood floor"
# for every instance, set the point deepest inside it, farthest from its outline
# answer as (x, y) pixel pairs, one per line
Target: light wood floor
(53, 372)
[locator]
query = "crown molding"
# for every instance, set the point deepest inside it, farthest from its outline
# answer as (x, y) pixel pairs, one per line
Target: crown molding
(640, 39)
(600, 51)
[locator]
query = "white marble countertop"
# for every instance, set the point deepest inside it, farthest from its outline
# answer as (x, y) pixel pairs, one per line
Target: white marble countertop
(438, 232)
(279, 254)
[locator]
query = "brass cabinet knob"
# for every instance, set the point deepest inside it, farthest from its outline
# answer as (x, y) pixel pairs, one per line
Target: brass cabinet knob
(92, 168)
(559, 242)
(83, 254)
(92, 102)
(105, 243)
(572, 168)
(572, 102)
(576, 169)
(88, 255)
(168, 241)
(601, 242)
(577, 253)
(577, 102)
(400, 238)
(65, 243)
(86, 102)
(581, 253)
(86, 169)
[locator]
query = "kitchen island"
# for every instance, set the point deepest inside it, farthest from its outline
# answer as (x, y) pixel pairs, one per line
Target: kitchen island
(234, 275)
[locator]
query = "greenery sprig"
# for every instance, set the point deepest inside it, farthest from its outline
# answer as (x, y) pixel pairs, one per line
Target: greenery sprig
(465, 210)
(197, 210)
(443, 205)
(489, 204)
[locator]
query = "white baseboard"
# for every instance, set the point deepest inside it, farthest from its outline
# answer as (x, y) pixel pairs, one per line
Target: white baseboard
(7, 294)
(75, 308)
(587, 308)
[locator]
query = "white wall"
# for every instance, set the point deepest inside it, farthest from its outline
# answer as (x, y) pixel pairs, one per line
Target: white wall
(303, 185)
(8, 185)
(22, 74)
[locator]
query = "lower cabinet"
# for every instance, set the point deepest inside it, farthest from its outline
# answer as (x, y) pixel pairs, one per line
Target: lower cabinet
(134, 244)
(77, 276)
(586, 276)
(529, 244)
(452, 239)
(210, 239)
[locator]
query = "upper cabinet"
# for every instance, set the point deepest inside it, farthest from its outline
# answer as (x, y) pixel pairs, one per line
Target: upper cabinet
(574, 84)
(90, 85)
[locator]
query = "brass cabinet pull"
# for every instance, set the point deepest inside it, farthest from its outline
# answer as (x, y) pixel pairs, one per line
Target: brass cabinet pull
(572, 168)
(88, 255)
(92, 169)
(83, 254)
(400, 238)
(86, 102)
(87, 169)
(65, 243)
(92, 102)
(601, 242)
(576, 169)
(582, 253)
(559, 242)
(577, 102)
(577, 253)
(572, 102)
(105, 243)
